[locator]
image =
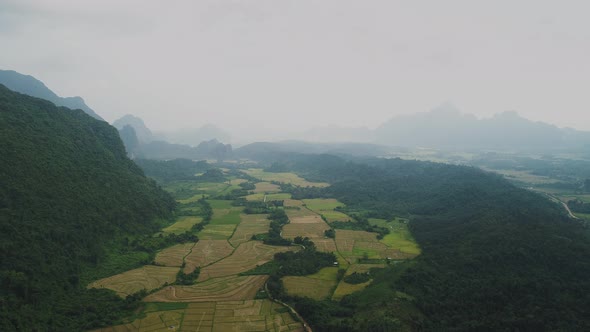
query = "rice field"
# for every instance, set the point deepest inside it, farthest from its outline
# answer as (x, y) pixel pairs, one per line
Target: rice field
(229, 288)
(267, 187)
(182, 224)
(299, 211)
(248, 315)
(148, 277)
(246, 257)
(325, 207)
(173, 256)
(269, 197)
(316, 286)
(225, 219)
(206, 252)
(291, 178)
(250, 224)
(312, 230)
(325, 245)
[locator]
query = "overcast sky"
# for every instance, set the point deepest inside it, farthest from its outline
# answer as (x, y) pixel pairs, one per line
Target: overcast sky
(300, 63)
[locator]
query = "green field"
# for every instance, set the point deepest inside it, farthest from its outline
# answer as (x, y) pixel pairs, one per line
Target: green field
(399, 237)
(291, 178)
(325, 207)
(269, 197)
(182, 224)
(522, 176)
(189, 191)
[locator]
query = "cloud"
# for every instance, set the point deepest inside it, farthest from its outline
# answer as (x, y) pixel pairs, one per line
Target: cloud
(294, 64)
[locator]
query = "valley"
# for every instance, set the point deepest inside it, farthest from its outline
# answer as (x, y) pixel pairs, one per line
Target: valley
(226, 295)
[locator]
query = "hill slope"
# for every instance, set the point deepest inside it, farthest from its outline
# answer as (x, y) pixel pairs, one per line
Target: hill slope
(33, 87)
(67, 192)
(494, 257)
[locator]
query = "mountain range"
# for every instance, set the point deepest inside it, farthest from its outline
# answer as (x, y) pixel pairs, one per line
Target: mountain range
(33, 87)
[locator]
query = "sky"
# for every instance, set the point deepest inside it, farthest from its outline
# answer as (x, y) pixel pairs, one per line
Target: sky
(289, 65)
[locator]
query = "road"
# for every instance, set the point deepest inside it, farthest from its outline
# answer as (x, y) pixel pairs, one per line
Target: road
(557, 200)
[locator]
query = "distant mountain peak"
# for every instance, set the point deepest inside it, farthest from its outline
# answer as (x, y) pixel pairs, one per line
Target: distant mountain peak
(31, 86)
(446, 108)
(143, 133)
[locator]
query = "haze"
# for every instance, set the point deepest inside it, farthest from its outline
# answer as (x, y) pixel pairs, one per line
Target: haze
(291, 65)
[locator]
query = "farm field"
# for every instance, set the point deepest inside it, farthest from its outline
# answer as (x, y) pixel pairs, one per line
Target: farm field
(250, 315)
(224, 221)
(250, 224)
(193, 191)
(229, 288)
(325, 245)
(266, 187)
(246, 257)
(325, 207)
(183, 224)
(522, 176)
(173, 256)
(300, 211)
(269, 197)
(223, 300)
(148, 277)
(399, 238)
(293, 203)
(316, 286)
(313, 230)
(291, 178)
(206, 252)
(345, 288)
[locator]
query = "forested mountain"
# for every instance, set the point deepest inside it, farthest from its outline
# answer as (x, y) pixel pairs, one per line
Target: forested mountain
(447, 127)
(33, 87)
(494, 257)
(68, 196)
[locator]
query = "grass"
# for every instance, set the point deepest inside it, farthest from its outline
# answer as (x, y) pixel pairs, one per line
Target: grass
(291, 178)
(327, 273)
(182, 224)
(400, 237)
(219, 204)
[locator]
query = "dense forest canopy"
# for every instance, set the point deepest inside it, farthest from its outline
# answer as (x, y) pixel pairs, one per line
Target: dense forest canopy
(67, 191)
(494, 257)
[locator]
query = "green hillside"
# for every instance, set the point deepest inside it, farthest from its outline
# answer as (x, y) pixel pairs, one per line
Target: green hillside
(494, 257)
(68, 196)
